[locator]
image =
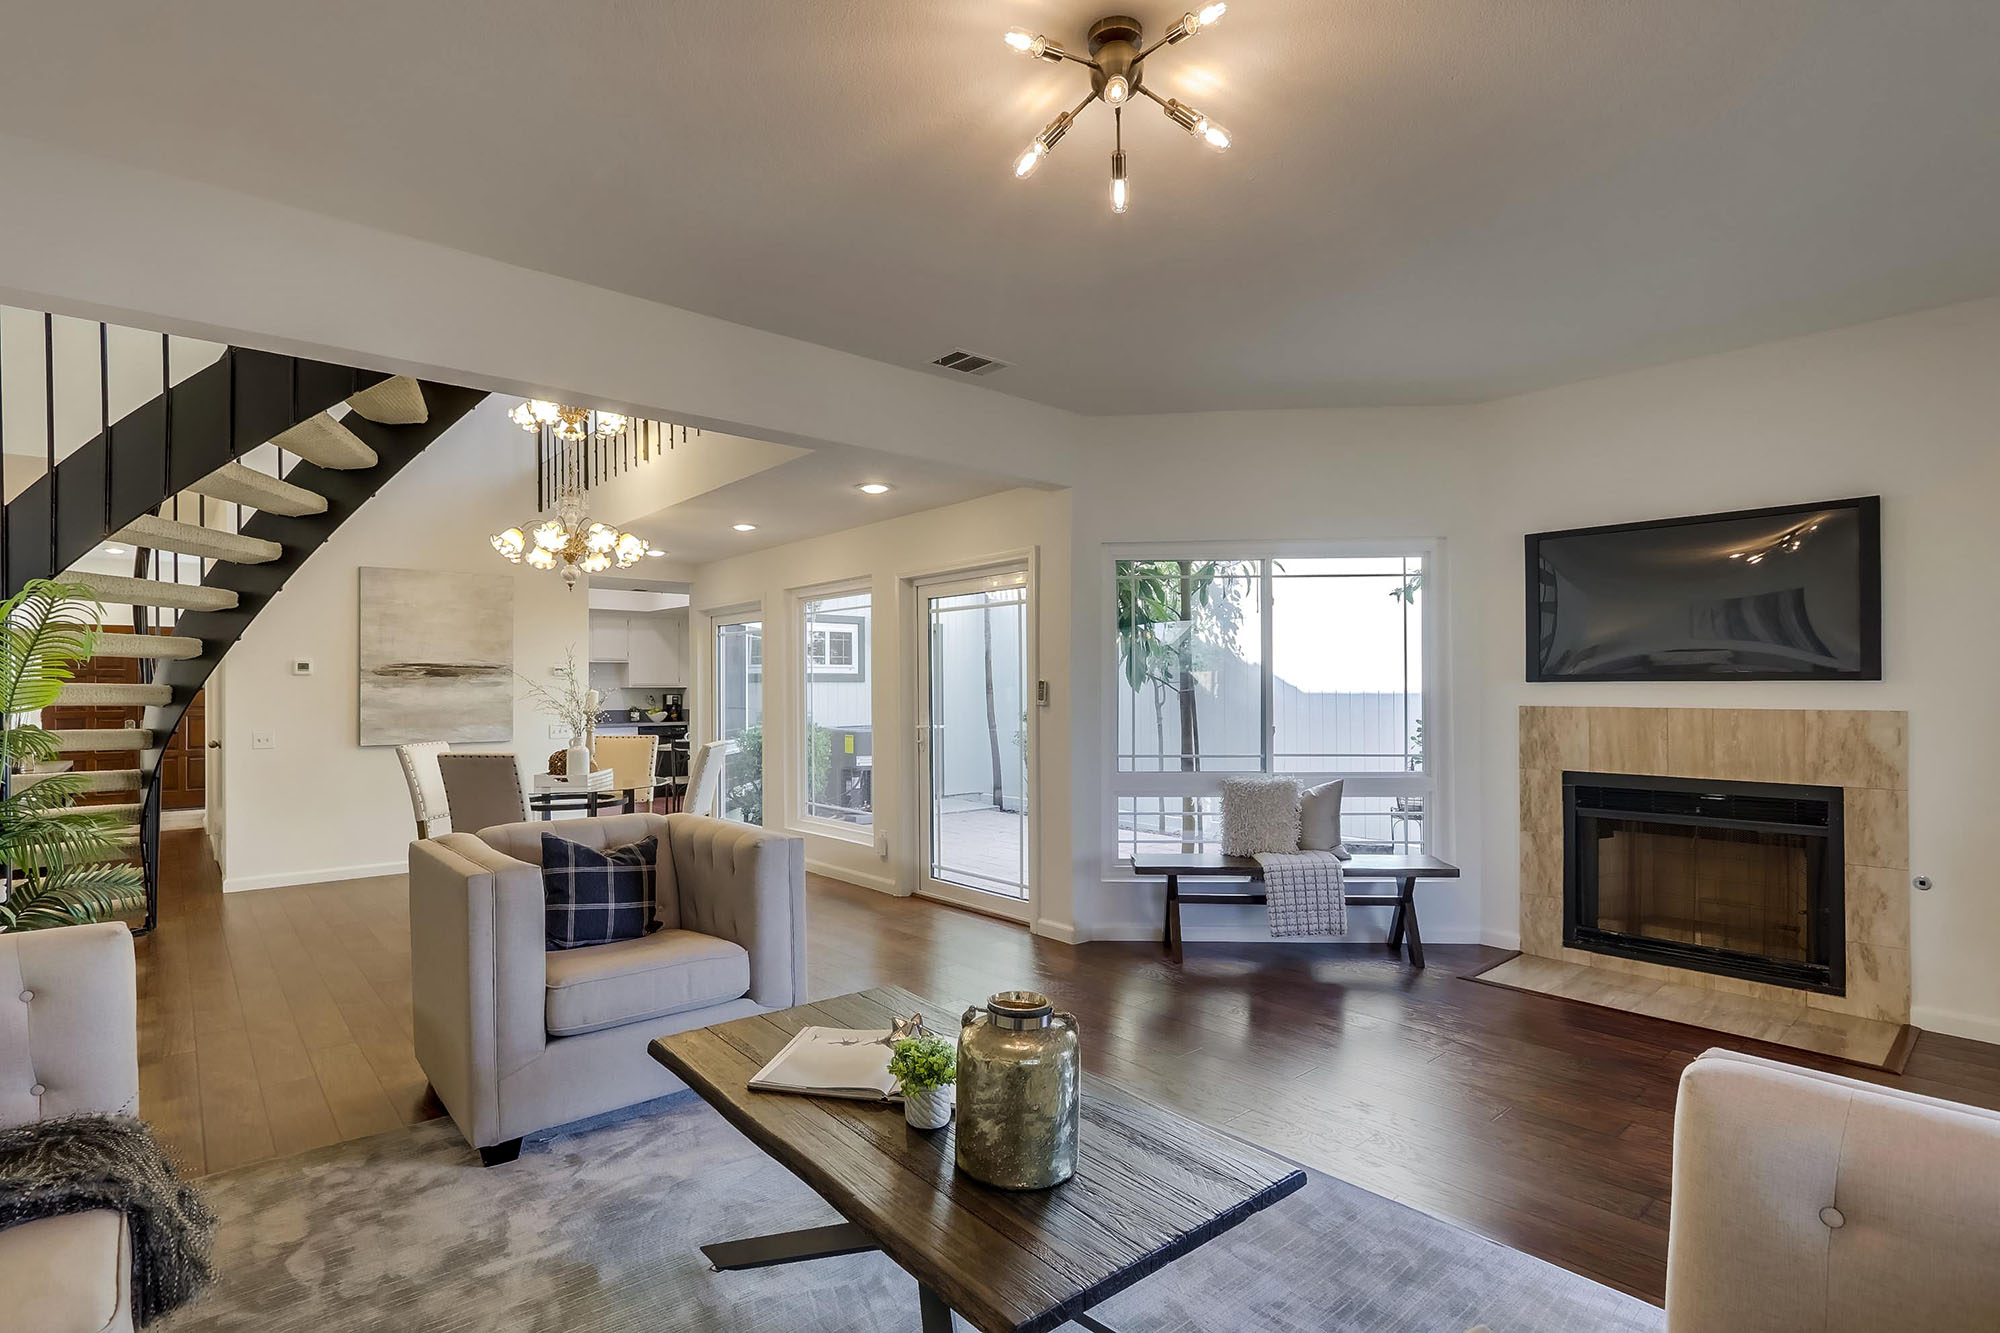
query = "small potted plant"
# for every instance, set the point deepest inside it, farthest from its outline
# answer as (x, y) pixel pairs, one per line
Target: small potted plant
(927, 1067)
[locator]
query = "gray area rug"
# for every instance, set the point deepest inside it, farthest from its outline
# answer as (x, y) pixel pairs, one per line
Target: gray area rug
(596, 1229)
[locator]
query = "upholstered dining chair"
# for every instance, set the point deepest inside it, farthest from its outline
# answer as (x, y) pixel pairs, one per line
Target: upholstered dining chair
(704, 784)
(633, 762)
(482, 789)
(420, 770)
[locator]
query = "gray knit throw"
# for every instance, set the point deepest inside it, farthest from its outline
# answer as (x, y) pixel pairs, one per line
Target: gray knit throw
(79, 1163)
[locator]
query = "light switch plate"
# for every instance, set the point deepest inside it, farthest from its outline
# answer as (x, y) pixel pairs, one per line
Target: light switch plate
(558, 732)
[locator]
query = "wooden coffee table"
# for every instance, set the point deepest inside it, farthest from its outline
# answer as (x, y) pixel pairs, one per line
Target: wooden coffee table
(1150, 1184)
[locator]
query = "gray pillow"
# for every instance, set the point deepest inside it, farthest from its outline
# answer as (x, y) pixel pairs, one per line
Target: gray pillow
(1319, 818)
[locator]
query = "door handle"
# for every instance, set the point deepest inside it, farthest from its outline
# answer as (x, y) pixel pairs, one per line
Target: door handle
(215, 745)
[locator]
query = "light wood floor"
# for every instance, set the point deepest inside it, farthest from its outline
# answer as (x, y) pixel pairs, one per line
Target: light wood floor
(278, 1020)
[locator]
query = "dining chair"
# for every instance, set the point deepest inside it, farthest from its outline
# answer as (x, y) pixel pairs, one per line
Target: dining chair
(482, 789)
(704, 784)
(633, 762)
(427, 801)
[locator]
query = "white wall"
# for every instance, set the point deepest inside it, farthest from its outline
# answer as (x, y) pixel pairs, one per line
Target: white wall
(318, 806)
(884, 555)
(1907, 408)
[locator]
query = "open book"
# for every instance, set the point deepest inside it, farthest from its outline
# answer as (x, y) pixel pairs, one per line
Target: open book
(831, 1062)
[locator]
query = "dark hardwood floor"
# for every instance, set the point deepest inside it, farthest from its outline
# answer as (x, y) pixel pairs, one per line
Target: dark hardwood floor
(279, 1020)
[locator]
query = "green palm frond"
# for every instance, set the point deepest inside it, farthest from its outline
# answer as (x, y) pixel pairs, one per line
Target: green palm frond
(66, 863)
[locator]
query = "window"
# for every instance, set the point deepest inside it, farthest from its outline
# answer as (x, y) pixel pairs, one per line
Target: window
(1308, 665)
(838, 774)
(739, 717)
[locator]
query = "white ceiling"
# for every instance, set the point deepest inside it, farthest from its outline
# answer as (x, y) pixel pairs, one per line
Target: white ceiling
(1429, 201)
(807, 496)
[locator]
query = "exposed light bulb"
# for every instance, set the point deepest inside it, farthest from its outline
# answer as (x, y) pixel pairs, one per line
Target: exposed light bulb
(1120, 191)
(1027, 43)
(1117, 90)
(1214, 135)
(1208, 14)
(1025, 164)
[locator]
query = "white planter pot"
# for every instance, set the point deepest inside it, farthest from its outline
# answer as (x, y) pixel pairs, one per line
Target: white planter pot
(929, 1108)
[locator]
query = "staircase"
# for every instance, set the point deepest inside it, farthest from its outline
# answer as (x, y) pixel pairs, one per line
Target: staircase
(340, 434)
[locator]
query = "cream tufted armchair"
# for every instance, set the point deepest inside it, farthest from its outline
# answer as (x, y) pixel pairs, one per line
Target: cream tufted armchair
(68, 1043)
(517, 1039)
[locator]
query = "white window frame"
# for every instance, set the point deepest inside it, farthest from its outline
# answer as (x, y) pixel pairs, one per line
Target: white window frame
(1429, 783)
(799, 820)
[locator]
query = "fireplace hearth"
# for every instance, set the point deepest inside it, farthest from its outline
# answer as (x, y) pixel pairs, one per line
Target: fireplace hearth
(1739, 879)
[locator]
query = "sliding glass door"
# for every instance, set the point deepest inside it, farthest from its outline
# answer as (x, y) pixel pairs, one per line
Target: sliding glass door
(739, 716)
(972, 736)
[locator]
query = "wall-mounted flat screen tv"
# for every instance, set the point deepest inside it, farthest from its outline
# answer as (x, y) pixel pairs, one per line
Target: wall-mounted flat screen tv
(1761, 594)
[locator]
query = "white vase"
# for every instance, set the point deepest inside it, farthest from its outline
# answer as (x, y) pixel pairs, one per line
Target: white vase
(929, 1108)
(576, 764)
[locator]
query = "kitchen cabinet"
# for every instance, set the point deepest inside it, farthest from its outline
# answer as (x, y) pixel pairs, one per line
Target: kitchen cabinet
(657, 649)
(610, 637)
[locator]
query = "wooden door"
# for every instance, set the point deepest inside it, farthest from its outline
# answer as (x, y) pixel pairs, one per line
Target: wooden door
(184, 762)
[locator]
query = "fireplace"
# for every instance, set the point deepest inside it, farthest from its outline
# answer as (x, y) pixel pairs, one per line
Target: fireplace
(1741, 879)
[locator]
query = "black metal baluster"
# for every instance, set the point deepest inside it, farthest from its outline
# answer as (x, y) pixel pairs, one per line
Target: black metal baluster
(49, 387)
(104, 417)
(6, 584)
(167, 429)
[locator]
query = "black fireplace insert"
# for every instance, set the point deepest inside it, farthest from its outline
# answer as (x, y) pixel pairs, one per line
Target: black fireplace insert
(1743, 879)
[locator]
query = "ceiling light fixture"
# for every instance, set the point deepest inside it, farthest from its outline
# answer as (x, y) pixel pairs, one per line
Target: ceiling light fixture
(566, 422)
(874, 488)
(744, 527)
(1116, 55)
(570, 541)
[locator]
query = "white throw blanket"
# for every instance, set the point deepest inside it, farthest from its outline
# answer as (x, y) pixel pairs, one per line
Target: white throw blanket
(1305, 891)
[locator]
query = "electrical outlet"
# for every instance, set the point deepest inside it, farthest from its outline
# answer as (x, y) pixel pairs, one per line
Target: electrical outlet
(882, 845)
(263, 740)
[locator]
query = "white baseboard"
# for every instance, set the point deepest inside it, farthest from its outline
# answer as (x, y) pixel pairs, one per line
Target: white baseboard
(1972, 1027)
(861, 878)
(1060, 931)
(183, 819)
(327, 875)
(1501, 939)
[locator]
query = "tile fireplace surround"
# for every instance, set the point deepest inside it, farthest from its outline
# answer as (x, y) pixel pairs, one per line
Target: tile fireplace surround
(1866, 754)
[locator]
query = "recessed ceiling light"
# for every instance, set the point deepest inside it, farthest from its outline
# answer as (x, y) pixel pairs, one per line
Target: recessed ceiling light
(744, 527)
(114, 550)
(874, 488)
(655, 552)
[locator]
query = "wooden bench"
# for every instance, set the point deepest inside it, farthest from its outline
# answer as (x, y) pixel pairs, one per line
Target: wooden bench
(1402, 871)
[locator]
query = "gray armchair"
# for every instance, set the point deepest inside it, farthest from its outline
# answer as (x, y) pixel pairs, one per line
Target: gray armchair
(69, 1042)
(517, 1039)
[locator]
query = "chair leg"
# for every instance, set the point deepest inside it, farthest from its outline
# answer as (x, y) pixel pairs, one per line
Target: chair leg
(500, 1153)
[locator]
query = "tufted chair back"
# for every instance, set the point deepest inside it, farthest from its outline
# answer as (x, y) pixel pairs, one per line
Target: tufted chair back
(69, 1033)
(420, 771)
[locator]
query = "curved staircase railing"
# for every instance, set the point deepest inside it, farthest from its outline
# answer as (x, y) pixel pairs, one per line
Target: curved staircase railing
(340, 433)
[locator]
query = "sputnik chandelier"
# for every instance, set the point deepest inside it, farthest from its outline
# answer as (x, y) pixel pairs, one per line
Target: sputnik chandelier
(1115, 60)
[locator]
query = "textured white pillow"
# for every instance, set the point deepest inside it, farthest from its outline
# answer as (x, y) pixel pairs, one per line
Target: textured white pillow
(1259, 815)
(1319, 817)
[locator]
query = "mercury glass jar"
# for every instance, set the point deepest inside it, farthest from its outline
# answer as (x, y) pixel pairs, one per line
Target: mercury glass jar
(1018, 1077)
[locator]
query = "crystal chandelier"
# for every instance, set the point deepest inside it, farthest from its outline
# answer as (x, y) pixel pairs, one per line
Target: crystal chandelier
(1117, 52)
(566, 422)
(570, 541)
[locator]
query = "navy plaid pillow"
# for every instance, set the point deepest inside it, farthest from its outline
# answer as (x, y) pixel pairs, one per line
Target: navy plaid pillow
(593, 897)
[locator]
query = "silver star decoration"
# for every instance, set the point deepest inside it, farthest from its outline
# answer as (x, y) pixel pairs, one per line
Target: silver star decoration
(905, 1029)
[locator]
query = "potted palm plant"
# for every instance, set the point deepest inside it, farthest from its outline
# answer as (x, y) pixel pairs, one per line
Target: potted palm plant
(58, 861)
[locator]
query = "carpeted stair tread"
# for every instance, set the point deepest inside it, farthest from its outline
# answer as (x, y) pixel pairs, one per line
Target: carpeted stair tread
(127, 591)
(326, 442)
(104, 738)
(174, 646)
(152, 532)
(101, 779)
(393, 402)
(233, 483)
(92, 695)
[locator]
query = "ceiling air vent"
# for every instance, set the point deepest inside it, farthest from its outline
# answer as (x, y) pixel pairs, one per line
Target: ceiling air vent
(970, 363)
